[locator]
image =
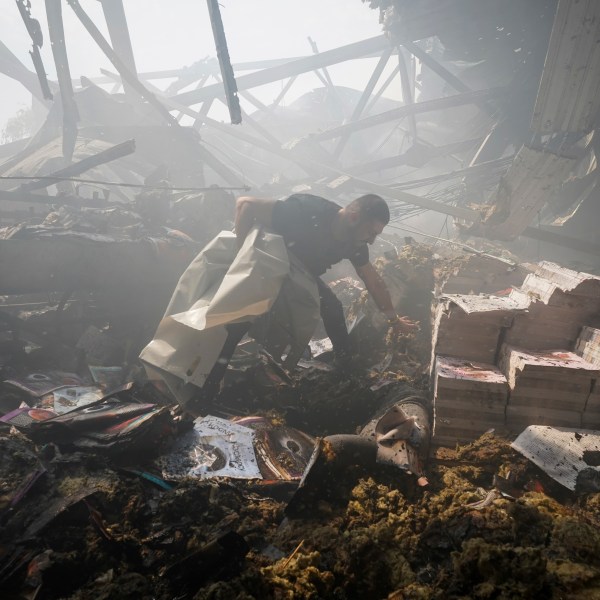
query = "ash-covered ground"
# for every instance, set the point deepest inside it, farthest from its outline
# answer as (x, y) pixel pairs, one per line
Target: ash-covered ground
(88, 524)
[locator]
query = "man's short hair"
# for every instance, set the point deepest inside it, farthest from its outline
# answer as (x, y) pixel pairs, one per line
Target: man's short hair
(371, 207)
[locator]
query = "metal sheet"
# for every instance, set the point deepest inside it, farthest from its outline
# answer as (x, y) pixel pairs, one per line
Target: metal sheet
(558, 451)
(525, 188)
(569, 94)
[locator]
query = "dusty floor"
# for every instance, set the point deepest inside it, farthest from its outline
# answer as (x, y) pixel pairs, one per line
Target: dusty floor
(80, 526)
(88, 530)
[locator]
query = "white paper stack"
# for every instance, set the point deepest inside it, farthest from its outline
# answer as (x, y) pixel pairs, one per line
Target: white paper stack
(485, 274)
(469, 399)
(591, 415)
(588, 345)
(546, 388)
(562, 301)
(469, 327)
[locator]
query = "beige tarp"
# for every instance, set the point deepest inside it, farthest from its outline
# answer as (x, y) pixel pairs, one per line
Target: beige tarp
(223, 286)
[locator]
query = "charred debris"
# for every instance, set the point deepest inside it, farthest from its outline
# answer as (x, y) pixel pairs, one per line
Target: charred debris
(460, 461)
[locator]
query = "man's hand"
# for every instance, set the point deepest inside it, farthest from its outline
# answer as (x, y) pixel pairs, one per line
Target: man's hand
(380, 293)
(250, 211)
(402, 325)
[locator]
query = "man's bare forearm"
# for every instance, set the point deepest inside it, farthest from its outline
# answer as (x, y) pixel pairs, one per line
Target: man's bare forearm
(377, 288)
(244, 218)
(381, 296)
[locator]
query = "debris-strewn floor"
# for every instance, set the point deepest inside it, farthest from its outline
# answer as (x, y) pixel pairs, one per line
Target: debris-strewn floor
(88, 530)
(100, 523)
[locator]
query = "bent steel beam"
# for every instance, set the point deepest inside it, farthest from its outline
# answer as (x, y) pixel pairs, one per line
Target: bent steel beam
(229, 84)
(296, 67)
(362, 101)
(116, 21)
(63, 73)
(404, 111)
(108, 155)
(12, 67)
(223, 170)
(35, 33)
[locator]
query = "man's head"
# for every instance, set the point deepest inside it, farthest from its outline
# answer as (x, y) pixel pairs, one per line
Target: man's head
(366, 217)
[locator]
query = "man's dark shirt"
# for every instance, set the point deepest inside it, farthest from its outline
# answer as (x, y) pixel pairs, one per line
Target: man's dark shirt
(305, 222)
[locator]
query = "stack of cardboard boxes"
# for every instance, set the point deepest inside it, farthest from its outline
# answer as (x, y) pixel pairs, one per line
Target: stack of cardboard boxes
(530, 358)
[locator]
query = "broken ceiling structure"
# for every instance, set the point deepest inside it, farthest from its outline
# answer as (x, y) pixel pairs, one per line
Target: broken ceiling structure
(108, 490)
(495, 127)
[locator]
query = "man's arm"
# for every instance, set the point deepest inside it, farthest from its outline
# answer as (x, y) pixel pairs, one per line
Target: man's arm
(379, 291)
(250, 211)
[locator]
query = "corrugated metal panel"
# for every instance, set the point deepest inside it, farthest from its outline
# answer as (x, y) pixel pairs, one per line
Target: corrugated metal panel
(569, 95)
(525, 188)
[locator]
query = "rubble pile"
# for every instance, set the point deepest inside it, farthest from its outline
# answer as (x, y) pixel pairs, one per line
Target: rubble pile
(459, 460)
(490, 525)
(107, 491)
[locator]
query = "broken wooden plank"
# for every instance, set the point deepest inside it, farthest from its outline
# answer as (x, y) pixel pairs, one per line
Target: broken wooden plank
(447, 75)
(420, 201)
(200, 69)
(414, 156)
(284, 91)
(124, 71)
(12, 67)
(324, 77)
(384, 86)
(407, 93)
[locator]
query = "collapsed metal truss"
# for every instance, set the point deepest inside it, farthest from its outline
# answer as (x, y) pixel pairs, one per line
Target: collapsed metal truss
(319, 155)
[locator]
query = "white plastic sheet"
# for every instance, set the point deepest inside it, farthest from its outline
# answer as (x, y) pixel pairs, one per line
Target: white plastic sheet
(220, 286)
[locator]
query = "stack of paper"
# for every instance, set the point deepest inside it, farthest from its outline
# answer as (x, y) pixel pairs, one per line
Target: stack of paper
(546, 388)
(469, 399)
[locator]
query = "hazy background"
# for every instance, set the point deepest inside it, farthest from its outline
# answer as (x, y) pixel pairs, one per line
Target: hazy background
(169, 34)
